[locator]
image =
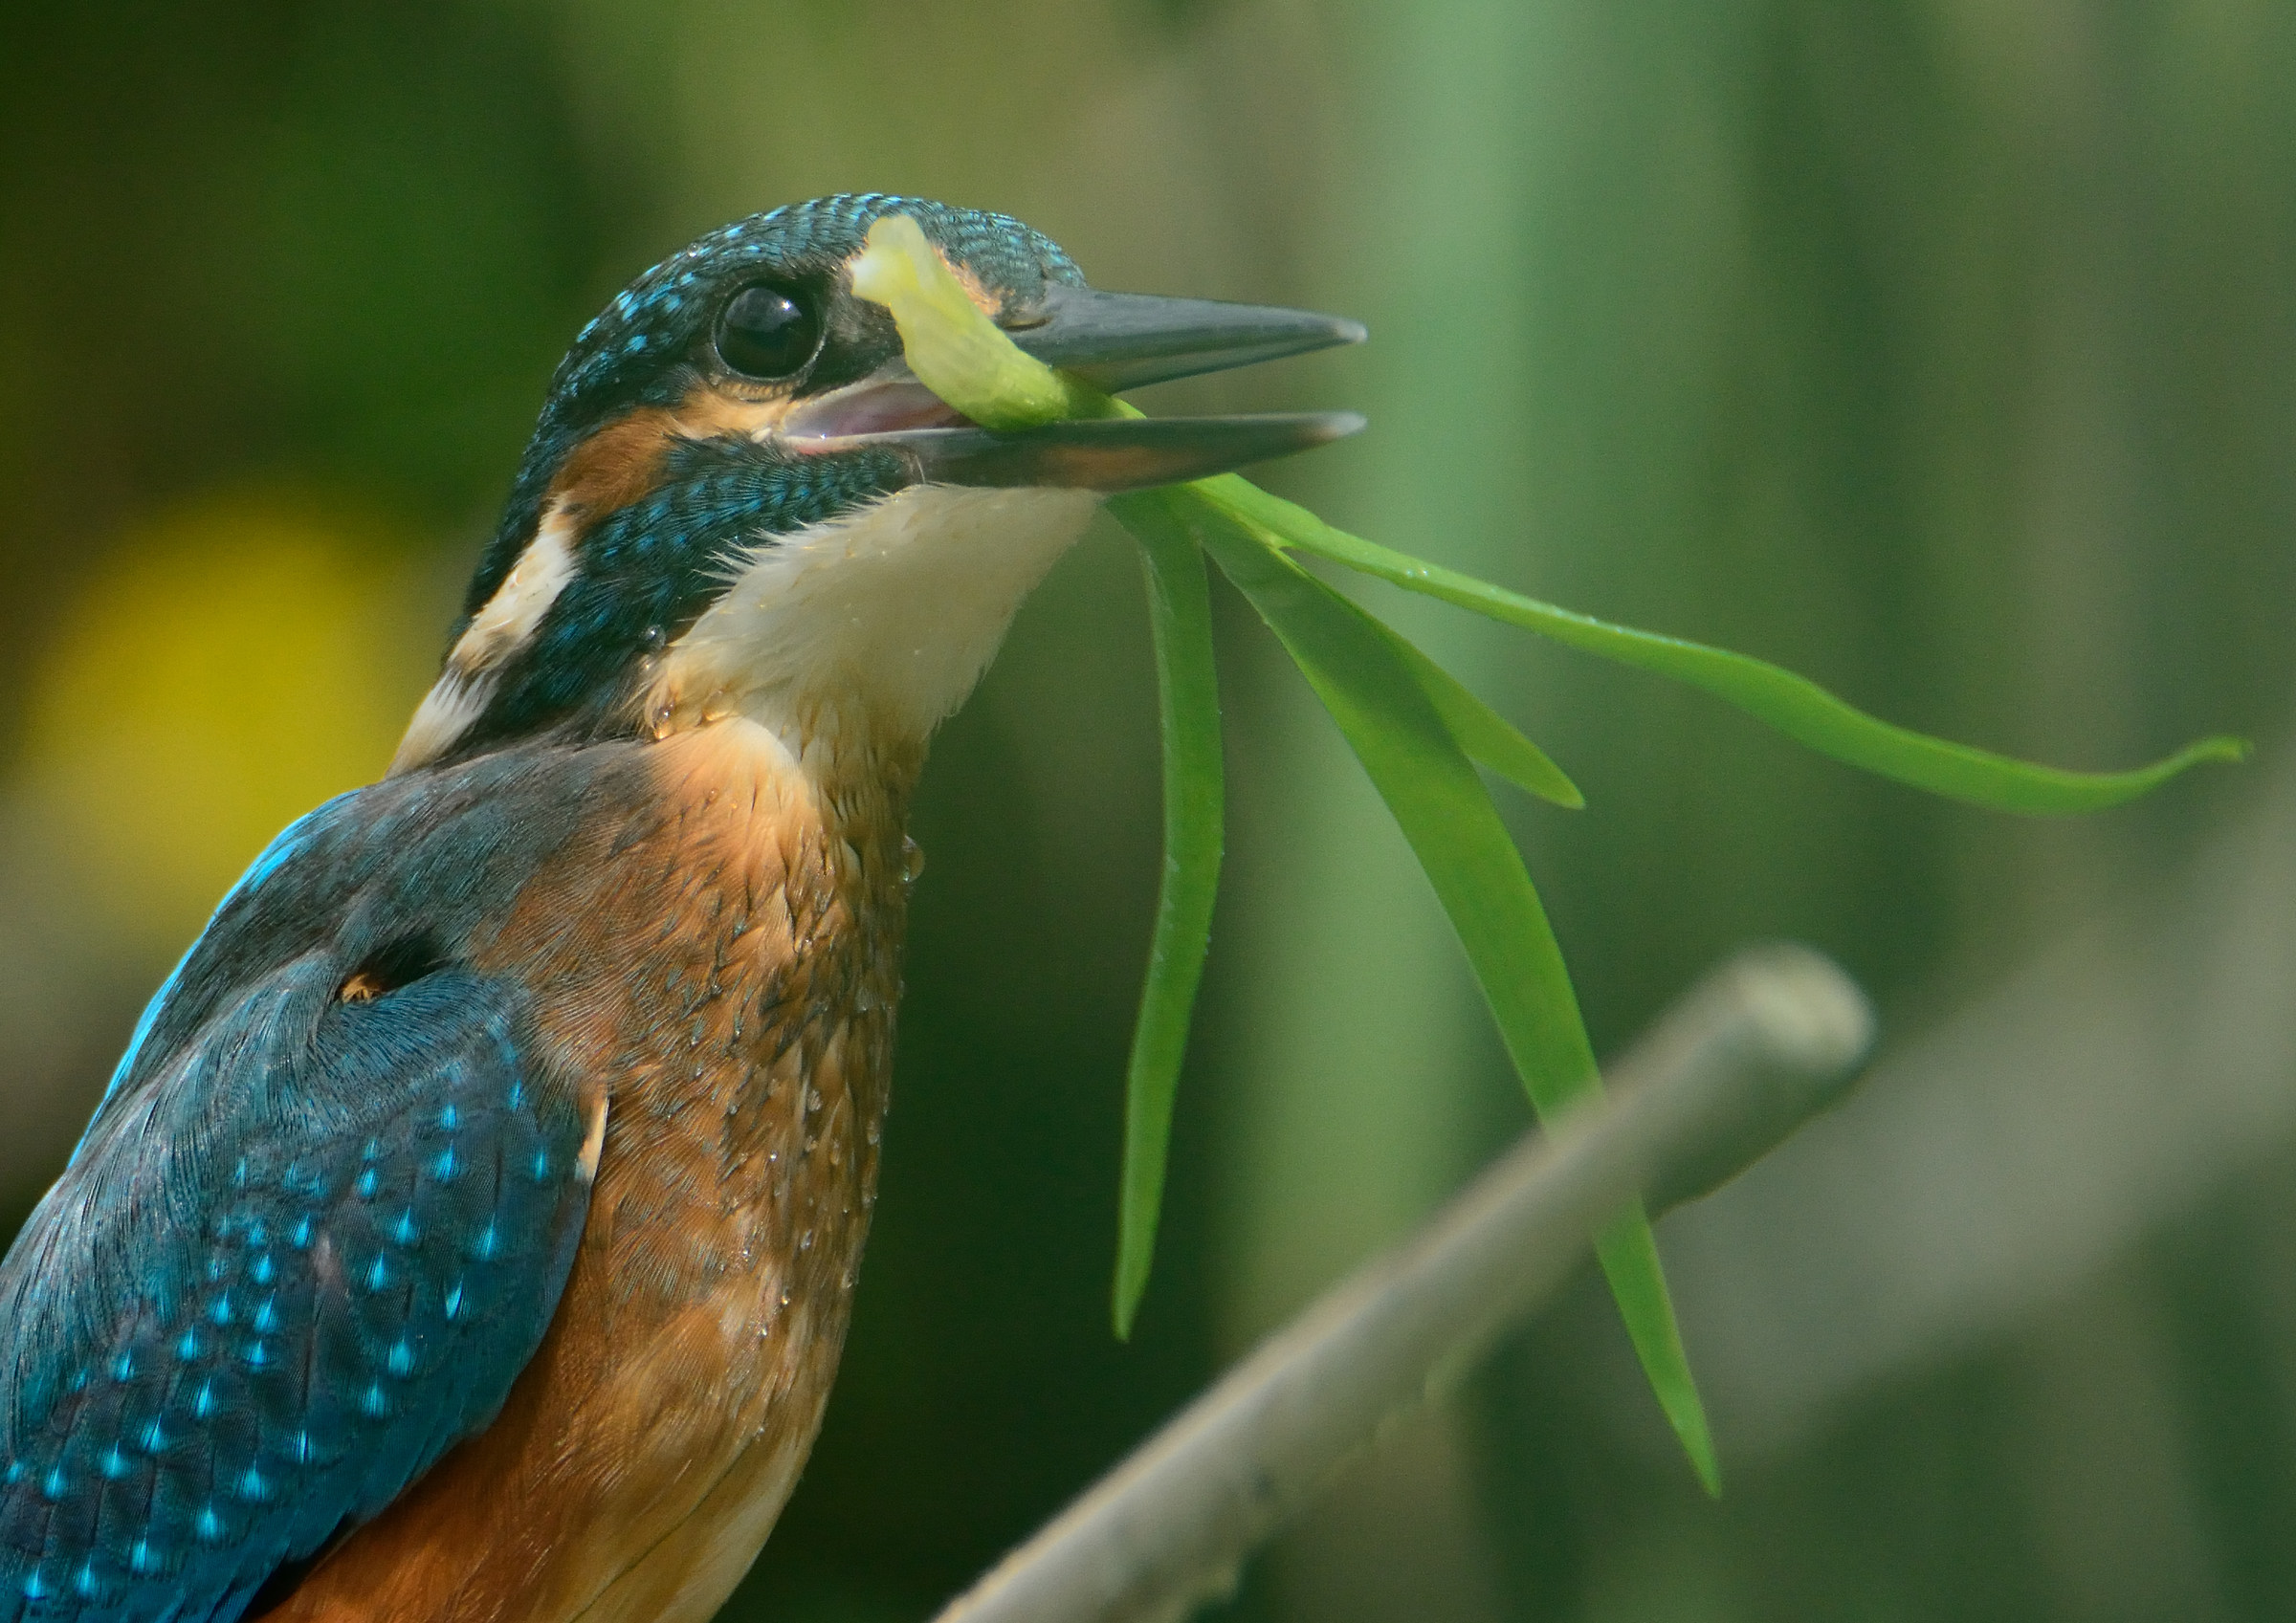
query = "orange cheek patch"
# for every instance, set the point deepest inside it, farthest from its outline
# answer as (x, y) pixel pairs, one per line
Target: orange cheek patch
(622, 462)
(615, 466)
(710, 412)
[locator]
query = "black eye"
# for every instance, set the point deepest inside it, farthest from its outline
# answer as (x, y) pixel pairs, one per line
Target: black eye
(767, 332)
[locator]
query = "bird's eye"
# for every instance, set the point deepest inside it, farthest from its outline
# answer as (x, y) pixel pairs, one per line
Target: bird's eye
(767, 332)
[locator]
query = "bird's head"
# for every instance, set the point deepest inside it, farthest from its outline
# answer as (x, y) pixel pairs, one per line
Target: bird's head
(738, 499)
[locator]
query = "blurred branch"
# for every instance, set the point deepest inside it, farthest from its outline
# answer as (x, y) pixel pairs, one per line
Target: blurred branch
(1746, 1055)
(2011, 1152)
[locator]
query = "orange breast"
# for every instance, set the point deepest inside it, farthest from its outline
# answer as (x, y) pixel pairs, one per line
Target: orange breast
(725, 974)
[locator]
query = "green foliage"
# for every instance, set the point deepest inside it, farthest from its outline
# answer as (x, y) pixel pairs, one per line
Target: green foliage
(1794, 705)
(1367, 678)
(1180, 612)
(1417, 734)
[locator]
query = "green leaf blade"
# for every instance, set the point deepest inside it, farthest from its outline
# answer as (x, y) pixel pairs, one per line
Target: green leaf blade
(1489, 739)
(1188, 710)
(1792, 704)
(1398, 733)
(1628, 1252)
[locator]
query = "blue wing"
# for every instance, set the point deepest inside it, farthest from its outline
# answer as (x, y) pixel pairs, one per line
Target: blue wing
(306, 1251)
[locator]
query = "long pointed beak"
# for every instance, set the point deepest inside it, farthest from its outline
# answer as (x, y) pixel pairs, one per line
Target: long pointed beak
(1124, 340)
(1112, 341)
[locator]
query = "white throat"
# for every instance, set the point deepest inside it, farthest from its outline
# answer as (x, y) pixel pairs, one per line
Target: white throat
(883, 619)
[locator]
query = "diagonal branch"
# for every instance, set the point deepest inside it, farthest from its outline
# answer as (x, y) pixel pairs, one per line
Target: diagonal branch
(1735, 1065)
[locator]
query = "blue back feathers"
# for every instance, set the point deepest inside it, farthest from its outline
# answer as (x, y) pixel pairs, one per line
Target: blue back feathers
(307, 1243)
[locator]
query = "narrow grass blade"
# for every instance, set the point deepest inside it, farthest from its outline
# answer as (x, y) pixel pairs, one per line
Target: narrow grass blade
(1794, 705)
(1489, 739)
(1188, 706)
(1399, 732)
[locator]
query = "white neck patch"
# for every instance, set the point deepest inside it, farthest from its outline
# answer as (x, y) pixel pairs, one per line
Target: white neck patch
(882, 618)
(500, 629)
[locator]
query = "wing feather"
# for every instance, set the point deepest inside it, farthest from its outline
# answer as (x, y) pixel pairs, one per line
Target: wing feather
(307, 1253)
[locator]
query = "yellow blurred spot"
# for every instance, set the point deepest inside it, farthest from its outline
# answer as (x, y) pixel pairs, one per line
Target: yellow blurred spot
(238, 663)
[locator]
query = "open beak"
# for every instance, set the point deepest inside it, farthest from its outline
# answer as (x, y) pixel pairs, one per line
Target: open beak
(1114, 341)
(1122, 341)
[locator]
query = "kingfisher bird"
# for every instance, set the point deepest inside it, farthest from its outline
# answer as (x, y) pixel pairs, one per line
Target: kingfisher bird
(469, 1231)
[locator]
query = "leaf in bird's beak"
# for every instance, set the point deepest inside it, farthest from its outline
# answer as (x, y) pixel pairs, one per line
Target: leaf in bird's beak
(950, 342)
(1416, 733)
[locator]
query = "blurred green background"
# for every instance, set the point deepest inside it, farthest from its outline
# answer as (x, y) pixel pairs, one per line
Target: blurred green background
(1942, 349)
